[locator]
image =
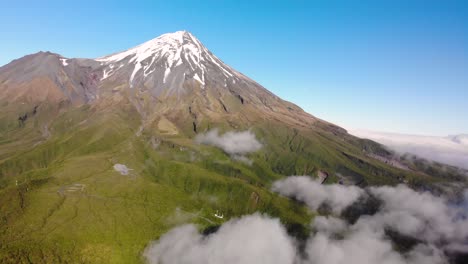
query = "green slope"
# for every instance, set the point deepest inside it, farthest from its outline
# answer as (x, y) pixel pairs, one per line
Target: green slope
(62, 201)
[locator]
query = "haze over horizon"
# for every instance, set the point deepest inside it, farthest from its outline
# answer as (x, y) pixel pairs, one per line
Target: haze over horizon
(394, 67)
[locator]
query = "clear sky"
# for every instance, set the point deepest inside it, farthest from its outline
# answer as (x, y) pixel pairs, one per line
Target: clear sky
(396, 66)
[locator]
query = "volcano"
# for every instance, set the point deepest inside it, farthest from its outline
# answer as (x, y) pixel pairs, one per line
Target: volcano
(100, 156)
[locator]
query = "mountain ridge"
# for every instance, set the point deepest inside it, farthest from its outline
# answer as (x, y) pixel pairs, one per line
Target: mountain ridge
(174, 65)
(66, 133)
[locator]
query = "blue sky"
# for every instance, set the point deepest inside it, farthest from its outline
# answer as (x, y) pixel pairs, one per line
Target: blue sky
(396, 66)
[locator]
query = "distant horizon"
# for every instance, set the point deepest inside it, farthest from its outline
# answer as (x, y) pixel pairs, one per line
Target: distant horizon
(351, 64)
(452, 150)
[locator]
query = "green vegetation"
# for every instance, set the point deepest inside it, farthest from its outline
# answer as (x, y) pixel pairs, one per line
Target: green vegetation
(62, 201)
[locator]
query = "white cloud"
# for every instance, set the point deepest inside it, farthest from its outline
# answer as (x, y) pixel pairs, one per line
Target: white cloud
(314, 194)
(440, 226)
(329, 224)
(236, 144)
(460, 139)
(452, 150)
(233, 143)
(253, 239)
(359, 247)
(433, 220)
(420, 215)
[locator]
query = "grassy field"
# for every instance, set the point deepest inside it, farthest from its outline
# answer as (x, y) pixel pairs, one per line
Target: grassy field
(62, 201)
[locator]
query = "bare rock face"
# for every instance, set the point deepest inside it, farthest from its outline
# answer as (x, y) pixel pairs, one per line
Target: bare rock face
(173, 75)
(177, 68)
(46, 76)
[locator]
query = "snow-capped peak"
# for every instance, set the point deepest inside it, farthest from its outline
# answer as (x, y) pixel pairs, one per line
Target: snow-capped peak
(165, 53)
(163, 43)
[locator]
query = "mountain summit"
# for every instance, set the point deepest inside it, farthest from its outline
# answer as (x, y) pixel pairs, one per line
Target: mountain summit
(173, 74)
(98, 157)
(169, 59)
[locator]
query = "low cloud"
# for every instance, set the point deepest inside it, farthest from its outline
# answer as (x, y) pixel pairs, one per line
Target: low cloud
(435, 227)
(452, 150)
(236, 144)
(253, 239)
(361, 246)
(422, 215)
(233, 143)
(314, 194)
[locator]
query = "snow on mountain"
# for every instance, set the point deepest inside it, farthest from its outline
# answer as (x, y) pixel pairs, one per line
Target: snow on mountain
(452, 150)
(165, 54)
(64, 61)
(172, 67)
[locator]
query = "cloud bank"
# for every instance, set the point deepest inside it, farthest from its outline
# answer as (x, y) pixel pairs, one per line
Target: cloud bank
(359, 245)
(452, 150)
(236, 144)
(428, 229)
(253, 239)
(314, 194)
